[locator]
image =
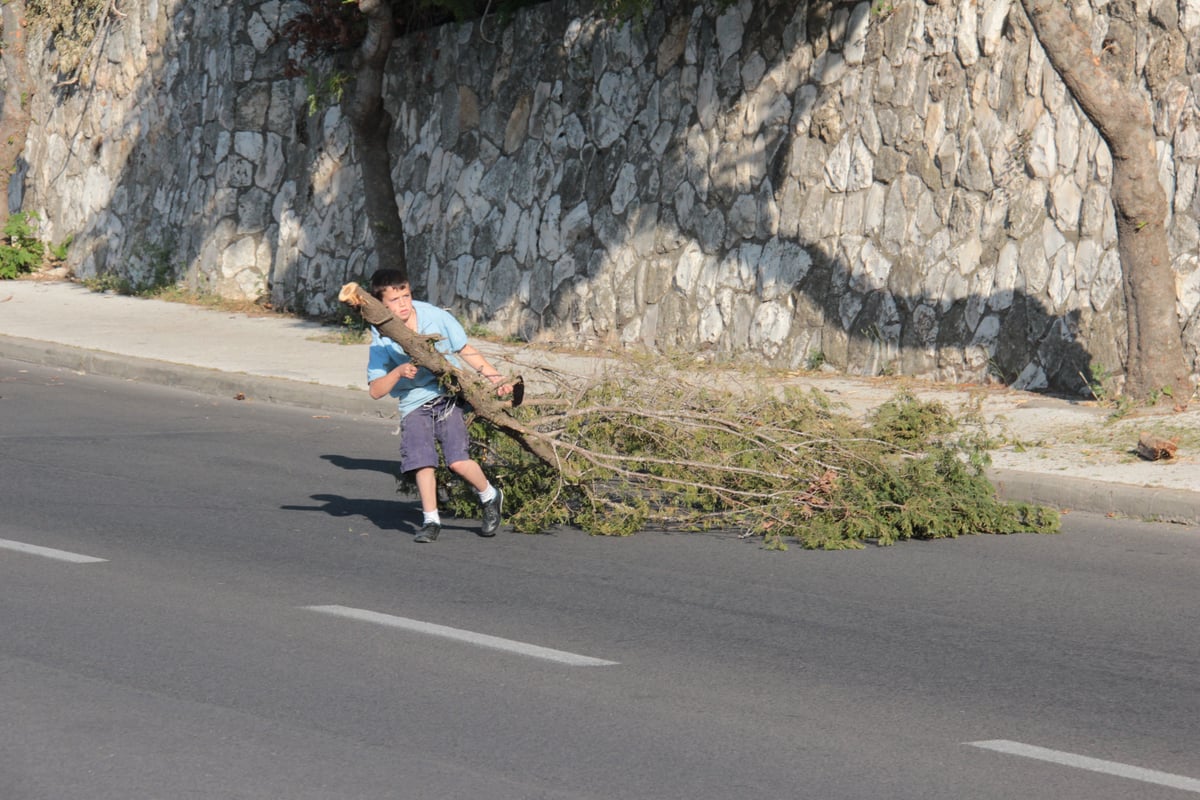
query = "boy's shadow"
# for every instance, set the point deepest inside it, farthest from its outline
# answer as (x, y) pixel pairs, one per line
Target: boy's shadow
(388, 467)
(384, 514)
(401, 515)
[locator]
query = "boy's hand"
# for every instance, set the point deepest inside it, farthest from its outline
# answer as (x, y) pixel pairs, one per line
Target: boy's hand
(514, 388)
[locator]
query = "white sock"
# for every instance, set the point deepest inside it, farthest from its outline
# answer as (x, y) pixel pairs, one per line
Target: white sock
(487, 494)
(431, 516)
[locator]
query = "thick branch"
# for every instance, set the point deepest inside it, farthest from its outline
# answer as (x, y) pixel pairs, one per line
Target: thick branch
(475, 390)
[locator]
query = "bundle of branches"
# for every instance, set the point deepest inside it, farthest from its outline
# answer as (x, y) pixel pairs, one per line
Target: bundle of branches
(784, 465)
(647, 448)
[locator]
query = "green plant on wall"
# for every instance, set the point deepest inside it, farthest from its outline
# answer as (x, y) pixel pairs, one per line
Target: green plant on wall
(158, 271)
(59, 251)
(324, 90)
(21, 251)
(882, 8)
(149, 273)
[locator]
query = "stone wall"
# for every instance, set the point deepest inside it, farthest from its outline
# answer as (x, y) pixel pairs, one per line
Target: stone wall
(183, 152)
(890, 187)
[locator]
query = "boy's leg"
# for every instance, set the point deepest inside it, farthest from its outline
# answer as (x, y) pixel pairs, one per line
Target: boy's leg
(491, 498)
(418, 455)
(469, 470)
(452, 434)
(426, 478)
(431, 526)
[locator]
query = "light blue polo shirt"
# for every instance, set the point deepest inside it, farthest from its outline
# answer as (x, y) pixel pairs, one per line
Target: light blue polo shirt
(385, 355)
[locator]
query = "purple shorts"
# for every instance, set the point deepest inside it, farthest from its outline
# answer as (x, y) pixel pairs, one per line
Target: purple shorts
(439, 421)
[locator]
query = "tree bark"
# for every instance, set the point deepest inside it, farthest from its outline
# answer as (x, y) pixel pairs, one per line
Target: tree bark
(1155, 362)
(372, 124)
(14, 113)
(480, 393)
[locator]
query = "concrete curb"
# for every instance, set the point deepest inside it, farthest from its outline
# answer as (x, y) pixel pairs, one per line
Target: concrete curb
(1057, 491)
(1097, 497)
(207, 381)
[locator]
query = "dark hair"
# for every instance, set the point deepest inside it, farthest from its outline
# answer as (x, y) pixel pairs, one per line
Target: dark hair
(387, 279)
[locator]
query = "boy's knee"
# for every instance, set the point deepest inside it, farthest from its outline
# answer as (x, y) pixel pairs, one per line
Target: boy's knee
(457, 467)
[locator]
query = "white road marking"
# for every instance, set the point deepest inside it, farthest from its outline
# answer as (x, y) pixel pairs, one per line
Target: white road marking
(1092, 764)
(480, 639)
(49, 552)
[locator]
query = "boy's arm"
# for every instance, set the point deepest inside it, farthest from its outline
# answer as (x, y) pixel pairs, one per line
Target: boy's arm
(382, 376)
(381, 387)
(476, 361)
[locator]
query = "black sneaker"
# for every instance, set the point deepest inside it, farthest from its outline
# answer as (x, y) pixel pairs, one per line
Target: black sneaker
(429, 532)
(491, 514)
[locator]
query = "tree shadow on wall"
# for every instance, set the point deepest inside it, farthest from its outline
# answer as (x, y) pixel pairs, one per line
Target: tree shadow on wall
(199, 173)
(1009, 338)
(873, 330)
(202, 161)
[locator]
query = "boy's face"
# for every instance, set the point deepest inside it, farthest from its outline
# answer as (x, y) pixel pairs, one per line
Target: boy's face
(398, 301)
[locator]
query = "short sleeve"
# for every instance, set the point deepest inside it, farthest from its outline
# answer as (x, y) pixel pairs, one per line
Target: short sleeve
(381, 358)
(456, 337)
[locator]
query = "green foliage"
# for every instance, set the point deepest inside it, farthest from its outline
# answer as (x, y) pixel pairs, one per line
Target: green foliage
(59, 251)
(351, 329)
(627, 9)
(1158, 394)
(109, 282)
(324, 91)
(156, 270)
(934, 496)
(882, 8)
(908, 422)
(786, 467)
(1106, 391)
(336, 27)
(325, 27)
(477, 330)
(21, 251)
(151, 273)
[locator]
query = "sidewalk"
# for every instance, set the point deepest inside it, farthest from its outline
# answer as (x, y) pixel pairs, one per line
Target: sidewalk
(1065, 454)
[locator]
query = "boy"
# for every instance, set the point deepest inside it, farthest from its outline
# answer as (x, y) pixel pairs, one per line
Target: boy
(428, 412)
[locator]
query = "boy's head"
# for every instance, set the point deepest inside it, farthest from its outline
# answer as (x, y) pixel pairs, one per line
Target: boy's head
(388, 279)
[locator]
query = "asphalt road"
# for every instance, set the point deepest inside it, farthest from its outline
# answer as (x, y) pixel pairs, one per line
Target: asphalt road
(257, 623)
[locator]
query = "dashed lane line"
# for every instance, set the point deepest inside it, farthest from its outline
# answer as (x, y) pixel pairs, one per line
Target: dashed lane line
(470, 637)
(1093, 764)
(49, 552)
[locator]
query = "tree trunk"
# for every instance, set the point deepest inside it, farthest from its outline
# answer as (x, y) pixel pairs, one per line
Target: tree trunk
(372, 125)
(480, 393)
(14, 113)
(1155, 361)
